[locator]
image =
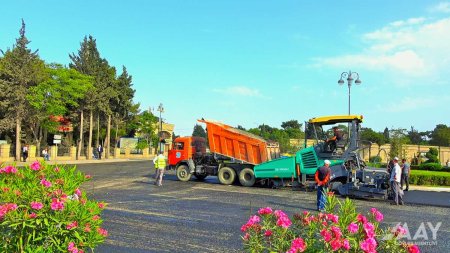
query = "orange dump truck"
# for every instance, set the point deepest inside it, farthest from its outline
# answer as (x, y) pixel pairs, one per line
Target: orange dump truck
(232, 154)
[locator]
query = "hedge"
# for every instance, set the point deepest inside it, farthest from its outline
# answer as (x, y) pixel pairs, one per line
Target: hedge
(430, 167)
(436, 178)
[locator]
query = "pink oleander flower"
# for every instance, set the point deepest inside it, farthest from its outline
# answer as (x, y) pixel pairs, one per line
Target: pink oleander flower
(297, 245)
(46, 183)
(413, 249)
(369, 228)
(253, 220)
(377, 214)
(326, 235)
(35, 165)
(305, 213)
(8, 170)
(335, 244)
(87, 228)
(246, 237)
(33, 215)
(10, 206)
(56, 169)
(279, 213)
(73, 224)
(102, 205)
(346, 244)
(400, 230)
(265, 210)
(57, 204)
(369, 245)
(95, 217)
(77, 192)
(102, 232)
(333, 218)
(361, 218)
(72, 248)
(87, 176)
(353, 228)
(336, 231)
(36, 205)
(6, 208)
(284, 221)
(268, 233)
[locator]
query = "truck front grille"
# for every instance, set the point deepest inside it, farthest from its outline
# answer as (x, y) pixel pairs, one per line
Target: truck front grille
(309, 160)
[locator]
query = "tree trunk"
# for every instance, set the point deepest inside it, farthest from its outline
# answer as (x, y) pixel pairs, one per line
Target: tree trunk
(98, 130)
(80, 141)
(38, 142)
(108, 137)
(117, 133)
(91, 121)
(18, 130)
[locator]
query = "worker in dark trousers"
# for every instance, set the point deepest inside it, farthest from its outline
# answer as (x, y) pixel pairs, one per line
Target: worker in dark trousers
(322, 178)
(406, 170)
(395, 182)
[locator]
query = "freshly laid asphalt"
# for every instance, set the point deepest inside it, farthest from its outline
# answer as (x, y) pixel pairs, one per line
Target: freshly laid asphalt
(206, 216)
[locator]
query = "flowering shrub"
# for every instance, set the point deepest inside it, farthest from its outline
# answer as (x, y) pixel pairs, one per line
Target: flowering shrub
(339, 229)
(42, 209)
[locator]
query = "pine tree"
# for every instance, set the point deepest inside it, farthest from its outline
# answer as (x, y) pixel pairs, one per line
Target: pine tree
(199, 131)
(20, 69)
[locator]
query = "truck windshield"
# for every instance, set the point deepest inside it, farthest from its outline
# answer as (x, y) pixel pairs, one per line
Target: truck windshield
(178, 145)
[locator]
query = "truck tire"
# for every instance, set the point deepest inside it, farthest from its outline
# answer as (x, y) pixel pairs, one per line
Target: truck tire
(226, 175)
(247, 177)
(183, 173)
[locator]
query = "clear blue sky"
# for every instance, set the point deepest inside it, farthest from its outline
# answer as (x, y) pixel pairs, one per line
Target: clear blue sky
(253, 62)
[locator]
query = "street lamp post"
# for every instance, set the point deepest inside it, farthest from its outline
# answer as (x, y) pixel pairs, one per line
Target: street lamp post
(160, 110)
(350, 79)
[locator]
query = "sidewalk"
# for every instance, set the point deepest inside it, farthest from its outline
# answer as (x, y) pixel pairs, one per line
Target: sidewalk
(428, 188)
(110, 160)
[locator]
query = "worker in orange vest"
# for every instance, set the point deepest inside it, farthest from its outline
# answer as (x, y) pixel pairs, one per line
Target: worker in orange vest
(322, 178)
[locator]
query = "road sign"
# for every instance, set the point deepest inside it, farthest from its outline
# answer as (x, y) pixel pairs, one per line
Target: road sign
(56, 141)
(57, 137)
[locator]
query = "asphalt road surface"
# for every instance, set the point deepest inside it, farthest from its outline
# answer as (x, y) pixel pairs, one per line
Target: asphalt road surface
(207, 216)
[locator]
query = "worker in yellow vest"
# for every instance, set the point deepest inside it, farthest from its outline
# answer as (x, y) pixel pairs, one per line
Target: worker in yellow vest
(160, 165)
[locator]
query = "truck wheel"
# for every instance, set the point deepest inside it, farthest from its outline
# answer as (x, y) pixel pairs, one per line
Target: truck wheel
(183, 173)
(226, 175)
(200, 177)
(247, 177)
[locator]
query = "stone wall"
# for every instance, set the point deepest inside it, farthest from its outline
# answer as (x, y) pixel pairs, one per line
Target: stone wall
(409, 151)
(53, 151)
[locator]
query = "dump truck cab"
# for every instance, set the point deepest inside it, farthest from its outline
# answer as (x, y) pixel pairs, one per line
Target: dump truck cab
(185, 148)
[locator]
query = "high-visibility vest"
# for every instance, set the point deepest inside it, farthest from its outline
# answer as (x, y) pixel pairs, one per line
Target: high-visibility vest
(161, 162)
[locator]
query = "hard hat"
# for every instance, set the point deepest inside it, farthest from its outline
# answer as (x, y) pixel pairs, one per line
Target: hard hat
(396, 158)
(327, 162)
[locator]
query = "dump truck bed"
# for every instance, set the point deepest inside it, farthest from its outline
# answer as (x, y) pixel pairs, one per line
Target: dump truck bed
(238, 144)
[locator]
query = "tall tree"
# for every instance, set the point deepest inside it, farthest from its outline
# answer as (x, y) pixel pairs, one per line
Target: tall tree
(398, 138)
(199, 131)
(440, 136)
(367, 134)
(62, 91)
(122, 105)
(294, 124)
(89, 62)
(386, 135)
(20, 69)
